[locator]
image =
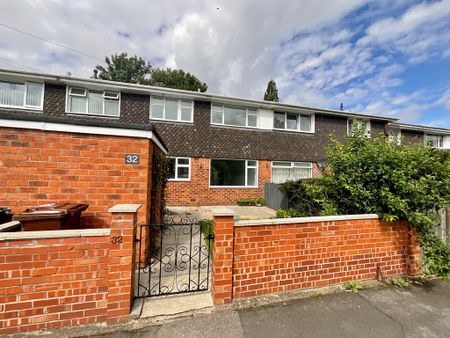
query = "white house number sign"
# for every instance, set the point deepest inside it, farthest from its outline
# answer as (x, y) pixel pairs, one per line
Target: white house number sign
(131, 159)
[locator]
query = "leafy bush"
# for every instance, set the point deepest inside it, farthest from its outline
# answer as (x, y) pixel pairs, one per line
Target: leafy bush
(257, 201)
(401, 282)
(207, 230)
(354, 286)
(290, 213)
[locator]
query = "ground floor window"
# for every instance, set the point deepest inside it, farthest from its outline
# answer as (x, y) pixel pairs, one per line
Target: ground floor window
(180, 169)
(234, 173)
(290, 171)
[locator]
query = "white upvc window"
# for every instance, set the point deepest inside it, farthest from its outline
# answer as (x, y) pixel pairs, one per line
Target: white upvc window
(233, 116)
(224, 173)
(168, 109)
(27, 95)
(354, 124)
(435, 141)
(290, 171)
(93, 102)
(180, 169)
(293, 122)
(395, 136)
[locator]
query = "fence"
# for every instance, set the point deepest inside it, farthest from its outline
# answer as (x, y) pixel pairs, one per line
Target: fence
(274, 198)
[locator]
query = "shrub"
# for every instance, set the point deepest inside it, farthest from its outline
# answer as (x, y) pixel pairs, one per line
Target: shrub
(257, 201)
(354, 286)
(401, 282)
(290, 213)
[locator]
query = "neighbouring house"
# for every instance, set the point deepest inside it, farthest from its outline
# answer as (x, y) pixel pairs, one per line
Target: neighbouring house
(221, 148)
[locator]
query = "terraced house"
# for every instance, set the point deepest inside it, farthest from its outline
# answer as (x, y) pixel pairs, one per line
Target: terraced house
(221, 148)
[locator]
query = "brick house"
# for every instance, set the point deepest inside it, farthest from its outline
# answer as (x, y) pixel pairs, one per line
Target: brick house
(222, 148)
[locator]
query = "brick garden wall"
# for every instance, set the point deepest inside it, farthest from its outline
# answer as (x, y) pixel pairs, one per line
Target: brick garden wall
(39, 167)
(257, 259)
(197, 191)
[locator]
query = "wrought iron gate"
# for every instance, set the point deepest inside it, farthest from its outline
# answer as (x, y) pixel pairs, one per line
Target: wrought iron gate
(174, 257)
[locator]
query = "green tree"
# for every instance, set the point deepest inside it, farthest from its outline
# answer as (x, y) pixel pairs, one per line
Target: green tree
(124, 68)
(177, 79)
(271, 92)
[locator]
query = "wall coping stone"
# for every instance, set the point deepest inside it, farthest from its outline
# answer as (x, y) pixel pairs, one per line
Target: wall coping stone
(121, 208)
(296, 220)
(9, 225)
(5, 236)
(223, 212)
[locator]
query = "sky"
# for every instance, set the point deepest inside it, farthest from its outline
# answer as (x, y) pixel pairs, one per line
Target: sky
(382, 57)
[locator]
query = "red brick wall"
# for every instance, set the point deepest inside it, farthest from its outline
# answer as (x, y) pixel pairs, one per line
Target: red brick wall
(197, 190)
(274, 258)
(40, 167)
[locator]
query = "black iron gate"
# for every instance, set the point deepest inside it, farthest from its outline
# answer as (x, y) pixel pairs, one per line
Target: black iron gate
(174, 257)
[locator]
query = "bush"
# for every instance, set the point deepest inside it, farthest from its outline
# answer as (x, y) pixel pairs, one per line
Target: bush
(290, 213)
(257, 201)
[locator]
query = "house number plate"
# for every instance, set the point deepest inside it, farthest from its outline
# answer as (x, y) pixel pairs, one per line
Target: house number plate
(131, 159)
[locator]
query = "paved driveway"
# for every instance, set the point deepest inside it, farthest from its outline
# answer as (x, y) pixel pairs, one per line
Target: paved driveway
(419, 311)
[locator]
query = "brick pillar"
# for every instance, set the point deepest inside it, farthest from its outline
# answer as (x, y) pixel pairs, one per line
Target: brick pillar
(413, 259)
(121, 261)
(222, 276)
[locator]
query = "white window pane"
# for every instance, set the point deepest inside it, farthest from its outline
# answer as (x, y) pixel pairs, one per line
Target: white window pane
(291, 121)
(251, 177)
(11, 94)
(252, 119)
(300, 173)
(111, 95)
(305, 122)
(183, 172)
(77, 104)
(234, 116)
(217, 116)
(279, 120)
(186, 114)
(281, 164)
(77, 91)
(112, 107)
(157, 112)
(281, 175)
(186, 104)
(227, 173)
(251, 163)
(157, 100)
(171, 109)
(183, 161)
(303, 164)
(34, 94)
(95, 102)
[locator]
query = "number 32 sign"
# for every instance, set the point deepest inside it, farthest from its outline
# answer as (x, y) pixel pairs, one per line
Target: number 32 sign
(131, 159)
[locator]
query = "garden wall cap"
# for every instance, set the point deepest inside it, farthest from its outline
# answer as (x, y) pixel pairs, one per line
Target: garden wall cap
(22, 235)
(223, 212)
(119, 208)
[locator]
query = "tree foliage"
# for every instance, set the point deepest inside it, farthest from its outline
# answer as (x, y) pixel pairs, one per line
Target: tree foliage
(134, 69)
(271, 93)
(397, 182)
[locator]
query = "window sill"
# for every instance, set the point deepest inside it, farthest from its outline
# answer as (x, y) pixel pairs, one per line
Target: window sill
(170, 121)
(232, 126)
(93, 115)
(293, 131)
(231, 187)
(178, 180)
(37, 109)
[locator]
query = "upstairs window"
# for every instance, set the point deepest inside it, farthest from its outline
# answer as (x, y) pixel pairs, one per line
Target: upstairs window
(294, 122)
(354, 125)
(92, 102)
(435, 141)
(27, 95)
(179, 169)
(162, 108)
(290, 171)
(234, 116)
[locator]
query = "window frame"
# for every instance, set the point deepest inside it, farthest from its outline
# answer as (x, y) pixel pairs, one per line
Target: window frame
(86, 95)
(179, 102)
(177, 179)
(236, 107)
(24, 100)
(368, 125)
(246, 175)
(291, 166)
(440, 142)
(297, 130)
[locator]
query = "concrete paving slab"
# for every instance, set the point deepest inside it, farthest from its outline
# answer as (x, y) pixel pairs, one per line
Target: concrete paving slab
(206, 212)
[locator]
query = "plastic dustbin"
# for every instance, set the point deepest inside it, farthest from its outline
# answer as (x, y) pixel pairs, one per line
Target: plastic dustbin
(53, 216)
(5, 215)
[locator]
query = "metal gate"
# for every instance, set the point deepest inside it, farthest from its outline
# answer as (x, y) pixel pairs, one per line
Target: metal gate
(174, 257)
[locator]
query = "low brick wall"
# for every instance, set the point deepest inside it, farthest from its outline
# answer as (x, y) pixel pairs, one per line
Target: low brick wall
(52, 279)
(253, 258)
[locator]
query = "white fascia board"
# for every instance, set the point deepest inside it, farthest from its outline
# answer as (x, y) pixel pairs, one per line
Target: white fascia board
(71, 128)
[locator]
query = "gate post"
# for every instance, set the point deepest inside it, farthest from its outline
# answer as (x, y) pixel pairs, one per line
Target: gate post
(222, 274)
(121, 261)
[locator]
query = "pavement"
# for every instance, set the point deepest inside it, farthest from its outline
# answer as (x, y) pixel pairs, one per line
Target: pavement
(382, 311)
(206, 212)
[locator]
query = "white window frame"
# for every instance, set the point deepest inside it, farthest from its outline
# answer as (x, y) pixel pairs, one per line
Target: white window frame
(368, 125)
(181, 166)
(86, 95)
(178, 109)
(313, 122)
(303, 165)
(238, 107)
(441, 146)
(25, 106)
(246, 175)
(395, 136)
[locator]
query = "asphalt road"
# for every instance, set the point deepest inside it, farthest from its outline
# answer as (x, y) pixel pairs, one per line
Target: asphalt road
(418, 311)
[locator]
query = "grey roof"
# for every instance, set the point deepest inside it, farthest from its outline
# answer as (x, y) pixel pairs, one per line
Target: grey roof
(415, 127)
